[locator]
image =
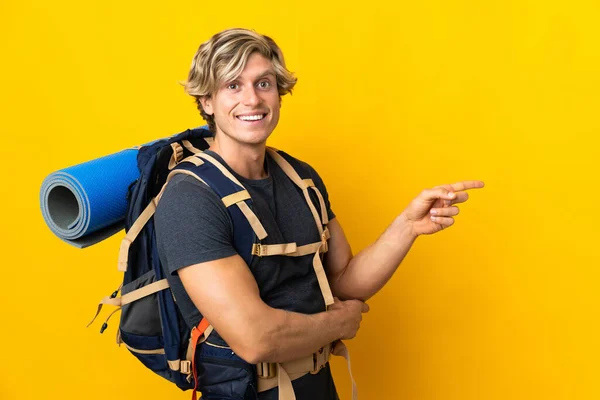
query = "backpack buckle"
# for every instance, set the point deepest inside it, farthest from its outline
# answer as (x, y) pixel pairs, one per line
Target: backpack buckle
(324, 238)
(185, 367)
(320, 359)
(258, 250)
(266, 370)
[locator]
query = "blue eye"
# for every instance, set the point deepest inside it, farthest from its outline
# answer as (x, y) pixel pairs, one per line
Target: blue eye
(264, 84)
(232, 86)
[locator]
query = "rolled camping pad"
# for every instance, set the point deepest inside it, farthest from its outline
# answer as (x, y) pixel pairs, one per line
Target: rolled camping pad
(86, 203)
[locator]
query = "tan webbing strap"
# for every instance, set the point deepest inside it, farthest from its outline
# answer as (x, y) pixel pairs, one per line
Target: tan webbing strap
(287, 168)
(188, 145)
(259, 230)
(112, 301)
(264, 250)
(279, 376)
(268, 373)
(143, 219)
(139, 224)
(174, 365)
(144, 291)
(340, 349)
(322, 278)
(265, 384)
(306, 249)
(205, 335)
(324, 217)
(98, 311)
(293, 370)
(221, 167)
(293, 175)
(176, 156)
(139, 351)
(286, 390)
(134, 295)
(181, 171)
(311, 184)
(317, 264)
(194, 160)
(257, 227)
(313, 210)
(186, 365)
(133, 232)
(316, 248)
(250, 216)
(235, 198)
(313, 247)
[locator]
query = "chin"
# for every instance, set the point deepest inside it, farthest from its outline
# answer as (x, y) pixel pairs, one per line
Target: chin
(254, 137)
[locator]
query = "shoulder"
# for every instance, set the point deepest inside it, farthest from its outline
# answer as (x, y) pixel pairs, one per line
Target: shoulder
(185, 195)
(183, 186)
(304, 169)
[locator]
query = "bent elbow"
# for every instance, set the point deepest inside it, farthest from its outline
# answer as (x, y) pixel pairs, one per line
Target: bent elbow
(254, 342)
(252, 350)
(251, 356)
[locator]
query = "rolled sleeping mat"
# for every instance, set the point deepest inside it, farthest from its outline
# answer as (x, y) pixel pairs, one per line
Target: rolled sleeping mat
(86, 203)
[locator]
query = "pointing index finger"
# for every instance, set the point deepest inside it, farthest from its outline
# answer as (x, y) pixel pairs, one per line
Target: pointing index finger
(466, 185)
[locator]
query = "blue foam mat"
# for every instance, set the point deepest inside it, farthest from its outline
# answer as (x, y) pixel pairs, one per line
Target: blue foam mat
(86, 203)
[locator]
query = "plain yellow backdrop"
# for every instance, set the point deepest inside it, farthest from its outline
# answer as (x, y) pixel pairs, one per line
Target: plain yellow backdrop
(392, 98)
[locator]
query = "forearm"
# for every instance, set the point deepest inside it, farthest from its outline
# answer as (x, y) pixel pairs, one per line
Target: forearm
(285, 335)
(368, 271)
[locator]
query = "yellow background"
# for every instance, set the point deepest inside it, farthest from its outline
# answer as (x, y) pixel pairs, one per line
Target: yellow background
(391, 99)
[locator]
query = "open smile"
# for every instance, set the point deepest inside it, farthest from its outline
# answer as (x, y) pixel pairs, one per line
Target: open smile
(251, 117)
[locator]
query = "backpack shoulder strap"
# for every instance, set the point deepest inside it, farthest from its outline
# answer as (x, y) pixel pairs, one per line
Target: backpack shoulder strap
(234, 196)
(293, 169)
(319, 247)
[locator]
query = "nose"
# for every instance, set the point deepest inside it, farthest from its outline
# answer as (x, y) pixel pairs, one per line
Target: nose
(251, 98)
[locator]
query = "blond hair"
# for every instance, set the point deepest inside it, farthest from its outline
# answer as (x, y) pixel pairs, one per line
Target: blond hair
(223, 58)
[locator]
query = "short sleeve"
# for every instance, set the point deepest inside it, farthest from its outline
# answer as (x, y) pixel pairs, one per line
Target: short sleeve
(192, 225)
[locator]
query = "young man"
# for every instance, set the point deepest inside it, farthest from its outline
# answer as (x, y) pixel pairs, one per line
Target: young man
(273, 310)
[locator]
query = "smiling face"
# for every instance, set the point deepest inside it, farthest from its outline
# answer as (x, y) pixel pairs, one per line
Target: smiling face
(246, 110)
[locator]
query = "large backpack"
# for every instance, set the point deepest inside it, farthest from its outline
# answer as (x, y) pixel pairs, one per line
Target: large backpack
(151, 326)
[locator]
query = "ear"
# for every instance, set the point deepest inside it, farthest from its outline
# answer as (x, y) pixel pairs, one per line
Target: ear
(207, 104)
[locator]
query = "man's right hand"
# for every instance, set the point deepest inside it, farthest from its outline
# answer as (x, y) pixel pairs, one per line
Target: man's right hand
(350, 312)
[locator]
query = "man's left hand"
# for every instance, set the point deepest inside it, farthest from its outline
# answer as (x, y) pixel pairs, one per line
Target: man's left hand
(434, 209)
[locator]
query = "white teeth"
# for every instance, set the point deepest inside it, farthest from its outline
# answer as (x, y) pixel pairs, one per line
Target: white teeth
(251, 117)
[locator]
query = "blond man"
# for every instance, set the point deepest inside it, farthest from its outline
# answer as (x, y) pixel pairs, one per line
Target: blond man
(273, 310)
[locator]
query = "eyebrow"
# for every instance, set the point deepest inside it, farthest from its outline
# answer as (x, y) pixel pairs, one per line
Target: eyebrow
(262, 75)
(267, 72)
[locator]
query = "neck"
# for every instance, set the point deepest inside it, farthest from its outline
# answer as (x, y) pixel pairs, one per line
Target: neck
(247, 160)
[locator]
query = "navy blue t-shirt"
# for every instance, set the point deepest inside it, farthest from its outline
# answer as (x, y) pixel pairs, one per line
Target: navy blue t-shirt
(193, 226)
